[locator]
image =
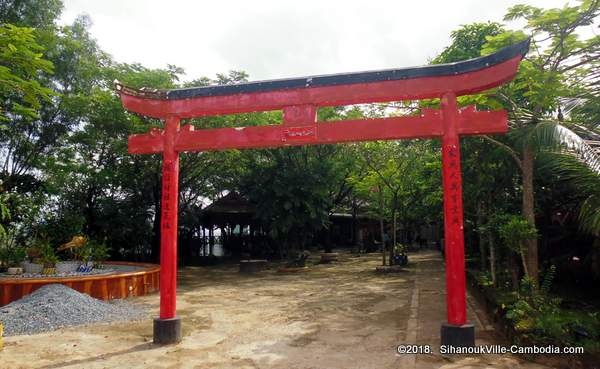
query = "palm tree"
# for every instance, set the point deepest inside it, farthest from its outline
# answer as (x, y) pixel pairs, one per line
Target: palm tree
(572, 169)
(558, 66)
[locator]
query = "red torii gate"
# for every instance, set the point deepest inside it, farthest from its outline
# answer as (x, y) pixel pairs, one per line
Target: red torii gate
(299, 98)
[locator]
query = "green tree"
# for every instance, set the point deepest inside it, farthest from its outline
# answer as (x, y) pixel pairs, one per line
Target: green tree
(30, 13)
(515, 232)
(22, 96)
(291, 189)
(581, 186)
(467, 42)
(552, 71)
(406, 177)
(21, 61)
(99, 189)
(558, 67)
(32, 140)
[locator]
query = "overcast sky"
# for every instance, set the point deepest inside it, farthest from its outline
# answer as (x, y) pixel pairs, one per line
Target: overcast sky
(276, 39)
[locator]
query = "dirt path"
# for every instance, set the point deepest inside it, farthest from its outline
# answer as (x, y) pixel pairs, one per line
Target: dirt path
(332, 316)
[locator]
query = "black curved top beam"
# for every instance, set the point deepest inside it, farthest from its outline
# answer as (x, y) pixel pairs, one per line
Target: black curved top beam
(436, 70)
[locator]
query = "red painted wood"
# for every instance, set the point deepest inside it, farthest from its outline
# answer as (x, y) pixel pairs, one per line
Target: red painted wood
(152, 142)
(87, 287)
(300, 128)
(168, 225)
(300, 115)
(144, 285)
(409, 89)
(134, 286)
(453, 213)
(429, 124)
(124, 291)
(6, 295)
(98, 286)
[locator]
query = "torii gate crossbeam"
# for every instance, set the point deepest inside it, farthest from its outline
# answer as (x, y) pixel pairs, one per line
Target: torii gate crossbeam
(299, 99)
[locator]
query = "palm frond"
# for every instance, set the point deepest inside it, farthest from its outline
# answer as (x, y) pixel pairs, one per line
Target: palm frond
(589, 215)
(547, 135)
(550, 136)
(572, 171)
(569, 169)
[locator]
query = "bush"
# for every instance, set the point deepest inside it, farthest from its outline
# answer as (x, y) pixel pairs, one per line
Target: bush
(531, 303)
(11, 254)
(16, 255)
(568, 327)
(484, 279)
(538, 316)
(98, 251)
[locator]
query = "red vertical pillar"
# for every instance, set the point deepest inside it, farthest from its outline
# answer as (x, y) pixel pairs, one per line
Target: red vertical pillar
(167, 329)
(168, 222)
(453, 214)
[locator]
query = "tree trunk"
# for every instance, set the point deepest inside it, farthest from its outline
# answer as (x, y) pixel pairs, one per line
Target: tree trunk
(155, 252)
(156, 197)
(524, 261)
(381, 227)
(328, 242)
(211, 240)
(89, 212)
(203, 243)
(492, 259)
(529, 212)
(354, 223)
(482, 236)
(513, 266)
(392, 249)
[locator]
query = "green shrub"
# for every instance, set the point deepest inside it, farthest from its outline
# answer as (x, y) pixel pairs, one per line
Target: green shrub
(11, 253)
(16, 255)
(522, 314)
(516, 230)
(48, 256)
(484, 279)
(98, 251)
(531, 304)
(568, 327)
(538, 316)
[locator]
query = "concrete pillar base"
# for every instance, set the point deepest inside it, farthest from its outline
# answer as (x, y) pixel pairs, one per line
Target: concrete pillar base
(458, 335)
(167, 331)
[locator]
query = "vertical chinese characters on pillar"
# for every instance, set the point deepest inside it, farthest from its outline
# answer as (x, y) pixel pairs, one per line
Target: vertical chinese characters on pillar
(454, 184)
(167, 201)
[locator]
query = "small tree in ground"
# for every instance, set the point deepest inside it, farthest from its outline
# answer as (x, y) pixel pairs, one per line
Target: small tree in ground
(515, 233)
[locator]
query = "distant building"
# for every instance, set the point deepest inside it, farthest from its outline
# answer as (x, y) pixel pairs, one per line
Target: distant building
(229, 227)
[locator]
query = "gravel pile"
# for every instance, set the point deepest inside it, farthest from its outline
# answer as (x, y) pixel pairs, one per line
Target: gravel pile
(55, 306)
(65, 275)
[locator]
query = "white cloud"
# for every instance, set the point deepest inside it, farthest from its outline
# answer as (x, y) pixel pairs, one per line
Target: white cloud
(276, 39)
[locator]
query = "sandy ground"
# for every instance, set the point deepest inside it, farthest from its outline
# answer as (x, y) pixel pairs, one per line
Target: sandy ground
(341, 315)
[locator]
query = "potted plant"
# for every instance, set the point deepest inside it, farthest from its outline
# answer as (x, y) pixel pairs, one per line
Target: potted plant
(400, 257)
(84, 255)
(99, 253)
(67, 266)
(49, 263)
(48, 259)
(4, 257)
(11, 255)
(32, 264)
(72, 248)
(16, 257)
